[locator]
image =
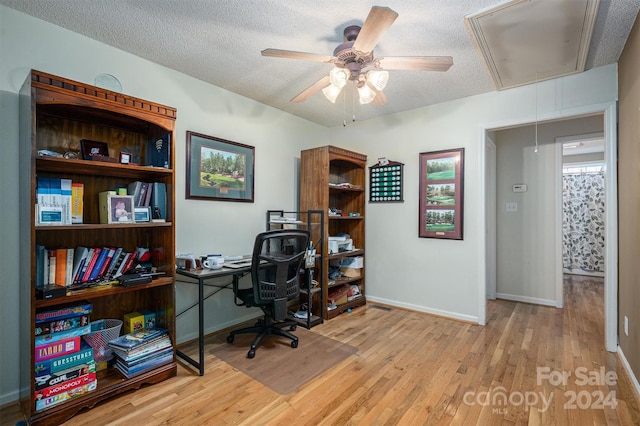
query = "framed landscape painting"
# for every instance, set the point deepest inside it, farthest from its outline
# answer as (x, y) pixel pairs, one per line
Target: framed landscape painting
(219, 169)
(441, 194)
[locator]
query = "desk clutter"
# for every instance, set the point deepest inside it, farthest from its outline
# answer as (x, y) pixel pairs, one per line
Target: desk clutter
(190, 262)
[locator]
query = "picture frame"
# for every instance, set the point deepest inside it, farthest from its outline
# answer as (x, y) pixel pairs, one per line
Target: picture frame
(121, 209)
(386, 182)
(218, 169)
(441, 194)
(126, 157)
(91, 148)
(142, 214)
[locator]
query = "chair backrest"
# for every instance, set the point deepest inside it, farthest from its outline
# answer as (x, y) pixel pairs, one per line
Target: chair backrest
(275, 268)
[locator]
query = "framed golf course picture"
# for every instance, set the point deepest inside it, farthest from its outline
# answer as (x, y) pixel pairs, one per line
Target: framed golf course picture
(441, 194)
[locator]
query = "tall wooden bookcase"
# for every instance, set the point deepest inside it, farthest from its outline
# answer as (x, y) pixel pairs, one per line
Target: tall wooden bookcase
(333, 179)
(56, 113)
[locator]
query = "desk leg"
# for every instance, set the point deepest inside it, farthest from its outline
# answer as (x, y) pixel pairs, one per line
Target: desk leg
(201, 324)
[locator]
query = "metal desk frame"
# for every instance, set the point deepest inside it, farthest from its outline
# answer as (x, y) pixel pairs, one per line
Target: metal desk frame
(203, 275)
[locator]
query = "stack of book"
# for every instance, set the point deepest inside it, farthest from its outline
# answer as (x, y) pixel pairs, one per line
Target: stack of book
(64, 365)
(68, 266)
(58, 201)
(141, 351)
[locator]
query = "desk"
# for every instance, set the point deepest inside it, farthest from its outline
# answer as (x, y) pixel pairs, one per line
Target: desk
(202, 276)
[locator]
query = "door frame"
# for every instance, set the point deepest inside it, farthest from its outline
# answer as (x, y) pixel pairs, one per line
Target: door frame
(609, 112)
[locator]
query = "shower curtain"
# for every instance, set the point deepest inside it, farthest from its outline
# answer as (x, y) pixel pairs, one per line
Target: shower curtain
(583, 221)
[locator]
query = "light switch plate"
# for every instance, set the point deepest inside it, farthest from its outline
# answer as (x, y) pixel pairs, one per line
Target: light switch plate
(512, 206)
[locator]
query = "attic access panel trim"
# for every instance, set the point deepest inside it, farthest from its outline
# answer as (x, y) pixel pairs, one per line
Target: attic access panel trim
(525, 41)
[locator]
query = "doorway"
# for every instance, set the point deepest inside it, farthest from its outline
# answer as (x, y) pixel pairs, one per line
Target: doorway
(554, 266)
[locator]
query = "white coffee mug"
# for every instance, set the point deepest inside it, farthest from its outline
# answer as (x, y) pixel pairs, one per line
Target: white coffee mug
(213, 262)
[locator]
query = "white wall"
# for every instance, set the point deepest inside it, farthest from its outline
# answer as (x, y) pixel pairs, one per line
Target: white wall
(429, 275)
(445, 276)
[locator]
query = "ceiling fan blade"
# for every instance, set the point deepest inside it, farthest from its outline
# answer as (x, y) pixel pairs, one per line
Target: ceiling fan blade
(414, 63)
(290, 54)
(380, 98)
(302, 96)
(374, 27)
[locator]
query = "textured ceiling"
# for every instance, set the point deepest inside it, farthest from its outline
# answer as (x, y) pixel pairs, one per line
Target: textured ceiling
(219, 41)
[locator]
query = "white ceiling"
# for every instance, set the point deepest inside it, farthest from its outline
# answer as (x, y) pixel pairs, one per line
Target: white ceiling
(219, 41)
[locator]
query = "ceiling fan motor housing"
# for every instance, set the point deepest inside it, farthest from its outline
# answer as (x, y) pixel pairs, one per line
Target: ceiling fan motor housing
(347, 57)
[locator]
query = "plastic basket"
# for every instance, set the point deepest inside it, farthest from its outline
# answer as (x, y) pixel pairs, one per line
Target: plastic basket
(99, 339)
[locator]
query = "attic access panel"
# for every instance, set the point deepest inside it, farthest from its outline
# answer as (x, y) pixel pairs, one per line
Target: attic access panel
(525, 41)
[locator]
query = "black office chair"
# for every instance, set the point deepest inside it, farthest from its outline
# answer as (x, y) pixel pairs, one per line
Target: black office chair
(275, 276)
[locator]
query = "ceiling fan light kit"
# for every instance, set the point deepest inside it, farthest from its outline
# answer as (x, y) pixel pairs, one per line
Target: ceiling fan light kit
(352, 58)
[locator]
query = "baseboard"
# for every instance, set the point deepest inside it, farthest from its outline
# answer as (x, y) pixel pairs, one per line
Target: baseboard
(432, 311)
(219, 326)
(526, 299)
(9, 398)
(635, 386)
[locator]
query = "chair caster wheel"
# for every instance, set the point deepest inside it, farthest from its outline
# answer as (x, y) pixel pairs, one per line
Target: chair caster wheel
(294, 343)
(251, 354)
(230, 338)
(293, 327)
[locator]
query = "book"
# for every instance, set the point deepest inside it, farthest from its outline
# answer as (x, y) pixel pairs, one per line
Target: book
(135, 189)
(61, 267)
(41, 267)
(97, 267)
(131, 340)
(159, 201)
(115, 260)
(51, 327)
(77, 202)
(68, 279)
(158, 152)
(56, 349)
(146, 349)
(92, 262)
(147, 201)
(147, 365)
(131, 260)
(71, 373)
(51, 254)
(65, 197)
(63, 312)
(60, 336)
(144, 187)
(85, 265)
(79, 257)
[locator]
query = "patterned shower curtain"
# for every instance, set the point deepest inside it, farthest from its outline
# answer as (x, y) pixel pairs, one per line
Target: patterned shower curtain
(583, 221)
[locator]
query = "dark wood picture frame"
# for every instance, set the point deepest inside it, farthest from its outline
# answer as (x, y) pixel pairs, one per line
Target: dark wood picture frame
(441, 194)
(90, 148)
(218, 169)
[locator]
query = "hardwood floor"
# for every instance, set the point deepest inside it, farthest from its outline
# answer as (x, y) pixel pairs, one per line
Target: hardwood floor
(413, 368)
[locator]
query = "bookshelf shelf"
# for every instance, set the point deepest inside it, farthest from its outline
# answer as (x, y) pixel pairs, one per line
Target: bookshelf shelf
(56, 114)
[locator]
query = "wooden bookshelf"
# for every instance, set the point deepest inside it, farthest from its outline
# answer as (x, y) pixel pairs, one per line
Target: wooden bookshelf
(56, 113)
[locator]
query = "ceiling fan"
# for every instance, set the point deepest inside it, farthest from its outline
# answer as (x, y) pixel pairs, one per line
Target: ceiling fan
(355, 55)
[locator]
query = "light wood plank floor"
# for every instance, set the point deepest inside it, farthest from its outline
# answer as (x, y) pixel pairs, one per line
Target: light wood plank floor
(412, 368)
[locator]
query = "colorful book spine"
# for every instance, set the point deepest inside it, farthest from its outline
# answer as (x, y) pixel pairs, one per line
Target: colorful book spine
(56, 349)
(77, 202)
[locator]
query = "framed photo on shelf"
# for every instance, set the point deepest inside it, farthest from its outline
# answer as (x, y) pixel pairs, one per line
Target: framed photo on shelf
(441, 194)
(218, 169)
(125, 158)
(142, 214)
(91, 148)
(121, 209)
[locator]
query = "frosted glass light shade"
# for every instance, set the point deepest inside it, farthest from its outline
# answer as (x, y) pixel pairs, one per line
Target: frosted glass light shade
(366, 94)
(339, 77)
(331, 92)
(378, 79)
